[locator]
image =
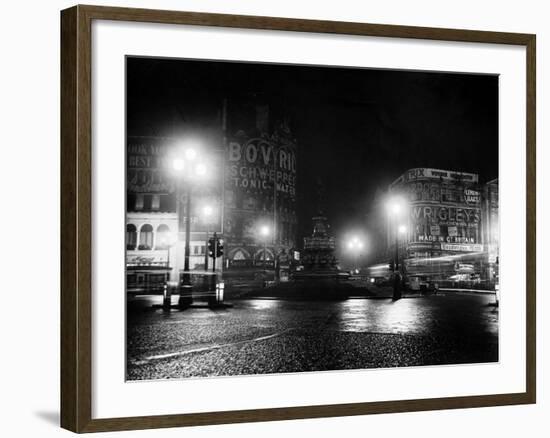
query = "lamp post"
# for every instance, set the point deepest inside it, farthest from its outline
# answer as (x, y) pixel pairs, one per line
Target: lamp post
(395, 210)
(188, 168)
(264, 232)
(355, 245)
(401, 230)
(207, 211)
(166, 241)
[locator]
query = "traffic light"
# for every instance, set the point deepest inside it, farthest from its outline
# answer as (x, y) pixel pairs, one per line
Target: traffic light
(219, 248)
(215, 247)
(211, 245)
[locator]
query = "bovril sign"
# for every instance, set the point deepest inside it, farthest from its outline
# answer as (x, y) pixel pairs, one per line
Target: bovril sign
(256, 163)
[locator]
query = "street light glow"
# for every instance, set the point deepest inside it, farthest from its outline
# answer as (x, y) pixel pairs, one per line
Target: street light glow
(178, 164)
(355, 243)
(402, 229)
(190, 154)
(167, 238)
(264, 230)
(207, 210)
(395, 206)
(200, 169)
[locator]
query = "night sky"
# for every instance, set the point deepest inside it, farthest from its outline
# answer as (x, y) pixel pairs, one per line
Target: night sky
(357, 129)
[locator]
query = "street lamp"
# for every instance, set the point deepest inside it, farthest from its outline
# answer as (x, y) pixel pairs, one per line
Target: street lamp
(190, 154)
(395, 206)
(355, 245)
(178, 164)
(188, 168)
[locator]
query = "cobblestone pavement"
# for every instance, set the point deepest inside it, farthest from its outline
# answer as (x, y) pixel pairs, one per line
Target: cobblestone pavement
(259, 336)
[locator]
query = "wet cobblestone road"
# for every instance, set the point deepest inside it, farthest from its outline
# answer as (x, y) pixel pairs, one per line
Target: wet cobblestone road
(259, 336)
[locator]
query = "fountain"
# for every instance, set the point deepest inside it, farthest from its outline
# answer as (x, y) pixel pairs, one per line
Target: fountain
(320, 276)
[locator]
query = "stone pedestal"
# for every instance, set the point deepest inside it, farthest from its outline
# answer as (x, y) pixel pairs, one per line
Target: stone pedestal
(321, 277)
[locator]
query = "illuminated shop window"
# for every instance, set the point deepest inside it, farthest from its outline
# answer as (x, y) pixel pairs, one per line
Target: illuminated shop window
(199, 249)
(131, 236)
(146, 237)
(155, 202)
(139, 202)
(239, 255)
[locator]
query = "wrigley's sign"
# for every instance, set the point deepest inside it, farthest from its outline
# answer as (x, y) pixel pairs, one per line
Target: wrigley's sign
(446, 215)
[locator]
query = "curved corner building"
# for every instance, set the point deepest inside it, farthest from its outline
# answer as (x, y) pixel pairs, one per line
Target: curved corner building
(451, 225)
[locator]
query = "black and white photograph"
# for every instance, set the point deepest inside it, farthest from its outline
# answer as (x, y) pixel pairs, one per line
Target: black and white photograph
(289, 218)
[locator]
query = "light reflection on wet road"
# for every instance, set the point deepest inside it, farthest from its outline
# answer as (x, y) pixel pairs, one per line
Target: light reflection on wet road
(259, 336)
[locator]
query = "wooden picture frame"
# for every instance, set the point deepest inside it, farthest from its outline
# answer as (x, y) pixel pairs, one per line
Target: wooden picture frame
(76, 218)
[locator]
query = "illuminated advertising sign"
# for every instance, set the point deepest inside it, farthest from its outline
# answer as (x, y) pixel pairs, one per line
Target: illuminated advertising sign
(455, 239)
(443, 215)
(463, 248)
(438, 174)
(445, 224)
(146, 166)
(149, 171)
(260, 185)
(138, 258)
(254, 165)
(445, 209)
(472, 197)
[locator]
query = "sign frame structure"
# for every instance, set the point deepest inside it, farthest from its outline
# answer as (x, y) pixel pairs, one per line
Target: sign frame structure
(76, 218)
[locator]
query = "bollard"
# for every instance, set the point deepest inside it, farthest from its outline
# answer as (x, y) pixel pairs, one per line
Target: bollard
(213, 299)
(219, 291)
(167, 297)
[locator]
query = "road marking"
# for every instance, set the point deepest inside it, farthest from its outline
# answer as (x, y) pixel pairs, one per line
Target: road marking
(209, 348)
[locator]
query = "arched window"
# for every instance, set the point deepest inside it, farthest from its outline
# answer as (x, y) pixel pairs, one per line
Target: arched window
(239, 255)
(260, 255)
(162, 240)
(131, 236)
(146, 237)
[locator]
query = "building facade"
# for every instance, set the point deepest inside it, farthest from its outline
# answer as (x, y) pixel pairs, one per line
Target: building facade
(449, 226)
(250, 184)
(491, 227)
(260, 192)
